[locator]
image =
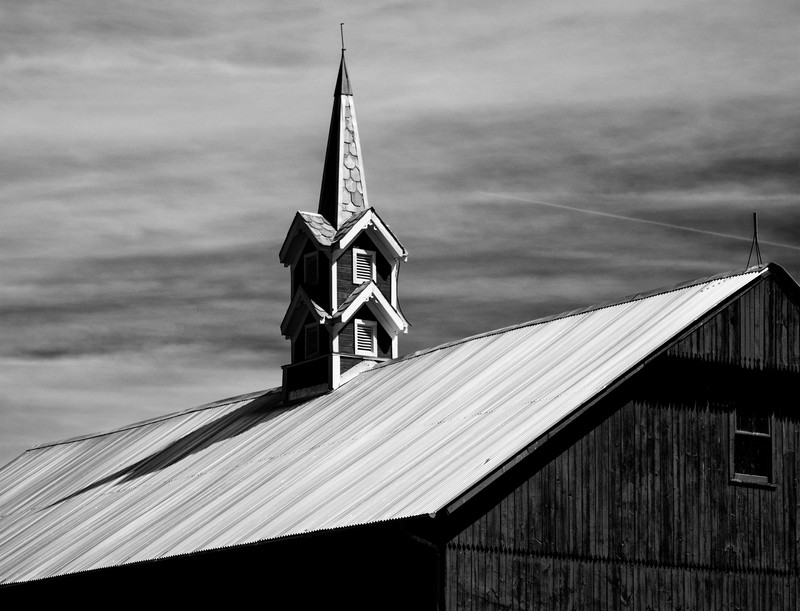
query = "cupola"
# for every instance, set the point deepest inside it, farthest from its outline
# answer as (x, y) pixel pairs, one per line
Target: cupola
(343, 316)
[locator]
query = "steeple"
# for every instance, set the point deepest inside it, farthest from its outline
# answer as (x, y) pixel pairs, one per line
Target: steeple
(343, 192)
(344, 315)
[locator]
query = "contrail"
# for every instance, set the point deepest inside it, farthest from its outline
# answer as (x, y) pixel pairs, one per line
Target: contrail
(634, 219)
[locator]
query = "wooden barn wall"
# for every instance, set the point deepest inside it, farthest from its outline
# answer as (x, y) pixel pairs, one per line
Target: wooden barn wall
(521, 581)
(761, 330)
(636, 509)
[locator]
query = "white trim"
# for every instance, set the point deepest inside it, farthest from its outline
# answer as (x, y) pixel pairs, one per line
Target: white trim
(357, 279)
(339, 165)
(371, 296)
(301, 297)
(334, 285)
(372, 327)
(288, 251)
(381, 236)
(393, 284)
(356, 370)
(335, 371)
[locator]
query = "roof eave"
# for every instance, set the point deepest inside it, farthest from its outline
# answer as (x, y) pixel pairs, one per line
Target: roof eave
(288, 324)
(389, 245)
(372, 297)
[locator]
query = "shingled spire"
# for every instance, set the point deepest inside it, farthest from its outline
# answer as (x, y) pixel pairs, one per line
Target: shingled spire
(344, 315)
(343, 192)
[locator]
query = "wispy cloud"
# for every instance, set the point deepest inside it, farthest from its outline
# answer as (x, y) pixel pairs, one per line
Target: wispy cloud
(153, 155)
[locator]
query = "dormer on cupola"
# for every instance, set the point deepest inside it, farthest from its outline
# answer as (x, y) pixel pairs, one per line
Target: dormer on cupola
(344, 315)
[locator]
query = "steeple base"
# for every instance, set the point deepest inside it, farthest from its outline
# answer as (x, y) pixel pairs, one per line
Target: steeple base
(322, 374)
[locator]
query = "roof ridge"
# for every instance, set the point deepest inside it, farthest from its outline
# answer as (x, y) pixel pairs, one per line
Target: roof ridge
(585, 310)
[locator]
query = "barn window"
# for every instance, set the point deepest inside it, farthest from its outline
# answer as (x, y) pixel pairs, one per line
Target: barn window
(311, 268)
(363, 265)
(752, 447)
(312, 340)
(366, 331)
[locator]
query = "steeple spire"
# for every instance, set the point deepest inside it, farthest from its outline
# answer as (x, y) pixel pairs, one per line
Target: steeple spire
(344, 192)
(343, 80)
(344, 316)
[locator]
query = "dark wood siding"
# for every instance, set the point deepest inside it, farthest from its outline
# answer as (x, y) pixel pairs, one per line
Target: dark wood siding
(306, 374)
(344, 271)
(644, 498)
(759, 330)
(522, 581)
(347, 363)
(299, 345)
(635, 508)
(321, 291)
(344, 277)
(347, 336)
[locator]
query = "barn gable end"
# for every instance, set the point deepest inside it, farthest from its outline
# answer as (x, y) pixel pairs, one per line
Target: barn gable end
(759, 330)
(638, 503)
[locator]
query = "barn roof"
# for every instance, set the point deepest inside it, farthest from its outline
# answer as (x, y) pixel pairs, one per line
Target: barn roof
(407, 438)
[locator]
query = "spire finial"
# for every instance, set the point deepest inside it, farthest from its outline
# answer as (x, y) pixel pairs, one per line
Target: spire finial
(754, 244)
(341, 31)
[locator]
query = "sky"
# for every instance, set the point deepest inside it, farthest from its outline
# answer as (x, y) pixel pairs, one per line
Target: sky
(533, 158)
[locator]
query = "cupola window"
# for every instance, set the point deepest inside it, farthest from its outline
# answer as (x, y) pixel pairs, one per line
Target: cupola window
(312, 340)
(363, 265)
(311, 268)
(366, 340)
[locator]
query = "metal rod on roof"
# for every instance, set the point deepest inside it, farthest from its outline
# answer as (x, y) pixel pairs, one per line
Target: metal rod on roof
(754, 244)
(341, 31)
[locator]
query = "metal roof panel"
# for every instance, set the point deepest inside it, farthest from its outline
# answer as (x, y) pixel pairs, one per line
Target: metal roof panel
(400, 440)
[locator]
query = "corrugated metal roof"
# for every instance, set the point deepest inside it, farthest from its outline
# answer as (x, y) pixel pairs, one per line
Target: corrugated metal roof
(403, 439)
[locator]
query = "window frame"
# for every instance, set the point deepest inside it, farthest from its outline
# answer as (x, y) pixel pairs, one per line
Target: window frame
(307, 353)
(751, 479)
(373, 326)
(371, 254)
(306, 258)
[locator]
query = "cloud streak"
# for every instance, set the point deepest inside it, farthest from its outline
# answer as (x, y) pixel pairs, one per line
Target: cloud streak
(638, 220)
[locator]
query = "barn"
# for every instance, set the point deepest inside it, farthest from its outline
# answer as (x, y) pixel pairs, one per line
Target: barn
(635, 454)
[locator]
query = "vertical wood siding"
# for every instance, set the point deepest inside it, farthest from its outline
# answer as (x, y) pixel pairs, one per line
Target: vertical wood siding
(319, 292)
(638, 511)
(347, 338)
(642, 500)
(344, 271)
(759, 330)
(520, 581)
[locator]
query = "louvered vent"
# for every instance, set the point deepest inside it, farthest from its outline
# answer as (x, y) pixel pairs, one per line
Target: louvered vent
(363, 264)
(365, 337)
(312, 340)
(311, 268)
